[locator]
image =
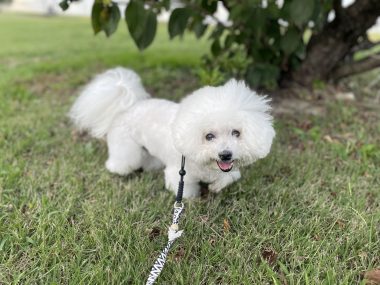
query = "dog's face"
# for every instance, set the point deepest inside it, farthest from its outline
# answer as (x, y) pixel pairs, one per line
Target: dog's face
(222, 143)
(223, 147)
(223, 127)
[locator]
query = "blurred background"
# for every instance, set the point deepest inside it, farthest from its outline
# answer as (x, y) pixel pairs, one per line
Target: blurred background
(309, 213)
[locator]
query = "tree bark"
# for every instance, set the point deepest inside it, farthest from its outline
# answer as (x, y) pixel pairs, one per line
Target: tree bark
(327, 49)
(356, 67)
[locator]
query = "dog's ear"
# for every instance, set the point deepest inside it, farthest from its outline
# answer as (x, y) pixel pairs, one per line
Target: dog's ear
(186, 133)
(187, 126)
(253, 112)
(257, 134)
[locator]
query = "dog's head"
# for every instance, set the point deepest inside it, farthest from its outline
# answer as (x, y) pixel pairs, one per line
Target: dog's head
(222, 126)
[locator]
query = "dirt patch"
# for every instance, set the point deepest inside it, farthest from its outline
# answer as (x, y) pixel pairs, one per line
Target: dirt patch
(42, 84)
(58, 86)
(297, 106)
(47, 83)
(315, 103)
(13, 62)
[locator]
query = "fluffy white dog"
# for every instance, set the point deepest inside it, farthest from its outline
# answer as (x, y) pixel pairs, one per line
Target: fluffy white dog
(217, 129)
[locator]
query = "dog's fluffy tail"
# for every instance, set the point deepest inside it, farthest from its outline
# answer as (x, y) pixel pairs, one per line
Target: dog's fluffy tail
(106, 96)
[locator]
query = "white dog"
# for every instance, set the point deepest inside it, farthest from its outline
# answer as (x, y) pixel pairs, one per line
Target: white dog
(217, 129)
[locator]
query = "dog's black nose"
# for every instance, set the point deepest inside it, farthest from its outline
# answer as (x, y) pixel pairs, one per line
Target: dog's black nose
(225, 155)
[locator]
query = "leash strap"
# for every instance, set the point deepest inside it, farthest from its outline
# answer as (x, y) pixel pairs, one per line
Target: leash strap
(182, 173)
(173, 232)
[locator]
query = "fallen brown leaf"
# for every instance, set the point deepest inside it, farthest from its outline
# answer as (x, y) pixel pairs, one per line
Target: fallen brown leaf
(212, 240)
(204, 218)
(180, 253)
(269, 255)
(317, 238)
(306, 125)
(340, 223)
(372, 277)
(78, 136)
(226, 225)
(155, 232)
(328, 139)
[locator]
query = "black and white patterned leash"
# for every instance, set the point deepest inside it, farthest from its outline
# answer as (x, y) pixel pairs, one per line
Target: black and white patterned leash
(173, 232)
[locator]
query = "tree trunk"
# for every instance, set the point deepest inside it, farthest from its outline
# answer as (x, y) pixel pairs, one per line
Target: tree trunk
(327, 49)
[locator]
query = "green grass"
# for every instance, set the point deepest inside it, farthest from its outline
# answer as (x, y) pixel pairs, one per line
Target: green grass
(309, 213)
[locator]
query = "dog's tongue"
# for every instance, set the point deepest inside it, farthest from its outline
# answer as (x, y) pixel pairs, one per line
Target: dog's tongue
(224, 165)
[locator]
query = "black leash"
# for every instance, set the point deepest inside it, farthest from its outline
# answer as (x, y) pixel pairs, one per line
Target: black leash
(173, 232)
(182, 173)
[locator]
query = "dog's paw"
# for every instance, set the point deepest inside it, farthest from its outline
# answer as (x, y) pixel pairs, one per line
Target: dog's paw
(191, 192)
(116, 168)
(224, 181)
(217, 186)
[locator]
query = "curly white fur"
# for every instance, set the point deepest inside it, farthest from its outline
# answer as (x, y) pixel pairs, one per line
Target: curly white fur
(154, 133)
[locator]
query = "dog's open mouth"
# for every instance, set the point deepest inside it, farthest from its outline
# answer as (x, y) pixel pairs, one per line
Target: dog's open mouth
(225, 166)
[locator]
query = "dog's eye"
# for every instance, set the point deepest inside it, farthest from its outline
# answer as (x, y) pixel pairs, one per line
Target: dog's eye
(210, 137)
(235, 133)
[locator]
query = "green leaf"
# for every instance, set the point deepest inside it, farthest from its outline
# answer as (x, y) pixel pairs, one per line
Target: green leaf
(199, 29)
(150, 31)
(273, 10)
(259, 23)
(166, 4)
(135, 17)
(96, 22)
(217, 32)
(320, 13)
(105, 18)
(301, 11)
(240, 13)
(178, 21)
(210, 6)
(64, 5)
(263, 74)
(230, 39)
(142, 24)
(216, 48)
(290, 41)
(113, 20)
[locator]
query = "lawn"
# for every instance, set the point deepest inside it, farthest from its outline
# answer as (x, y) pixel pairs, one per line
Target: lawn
(309, 213)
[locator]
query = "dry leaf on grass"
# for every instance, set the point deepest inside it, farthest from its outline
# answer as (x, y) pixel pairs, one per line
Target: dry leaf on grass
(316, 237)
(269, 255)
(226, 226)
(180, 253)
(155, 232)
(79, 136)
(305, 125)
(340, 223)
(212, 240)
(372, 277)
(328, 139)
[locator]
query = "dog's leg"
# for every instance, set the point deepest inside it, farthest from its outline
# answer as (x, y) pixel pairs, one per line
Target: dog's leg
(224, 180)
(124, 154)
(191, 187)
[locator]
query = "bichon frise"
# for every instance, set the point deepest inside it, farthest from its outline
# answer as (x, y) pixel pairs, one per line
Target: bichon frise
(217, 129)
